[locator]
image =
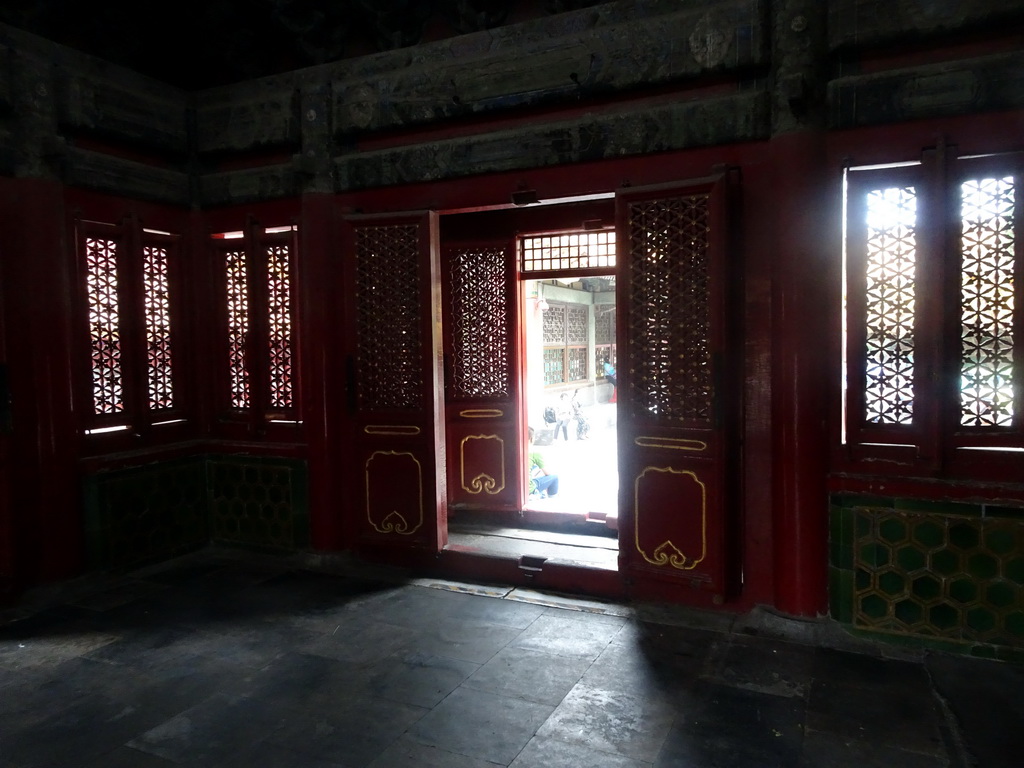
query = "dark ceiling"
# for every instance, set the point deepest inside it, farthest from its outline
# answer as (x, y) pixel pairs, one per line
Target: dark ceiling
(196, 44)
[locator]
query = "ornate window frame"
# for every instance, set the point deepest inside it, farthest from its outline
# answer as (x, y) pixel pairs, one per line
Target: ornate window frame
(129, 288)
(933, 320)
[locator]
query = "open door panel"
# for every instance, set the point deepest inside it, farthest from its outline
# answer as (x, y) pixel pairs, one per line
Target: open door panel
(481, 386)
(393, 371)
(675, 442)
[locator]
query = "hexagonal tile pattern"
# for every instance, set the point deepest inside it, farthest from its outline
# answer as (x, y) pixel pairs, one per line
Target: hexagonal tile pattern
(252, 504)
(144, 514)
(935, 575)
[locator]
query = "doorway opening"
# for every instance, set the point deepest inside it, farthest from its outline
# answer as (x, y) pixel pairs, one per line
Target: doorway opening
(568, 444)
(569, 331)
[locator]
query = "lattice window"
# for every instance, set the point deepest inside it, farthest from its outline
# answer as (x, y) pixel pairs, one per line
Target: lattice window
(577, 363)
(987, 293)
(238, 327)
(554, 325)
(932, 301)
(259, 321)
(480, 320)
(279, 325)
(388, 354)
(568, 252)
(159, 360)
(604, 324)
(577, 322)
(554, 366)
(104, 325)
(566, 331)
(601, 351)
(127, 297)
(670, 308)
(604, 337)
(890, 293)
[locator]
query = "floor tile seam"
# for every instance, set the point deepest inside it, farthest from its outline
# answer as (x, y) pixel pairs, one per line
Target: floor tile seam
(952, 736)
(448, 750)
(874, 746)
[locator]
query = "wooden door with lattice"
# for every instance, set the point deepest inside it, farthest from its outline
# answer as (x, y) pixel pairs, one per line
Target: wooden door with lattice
(677, 452)
(481, 377)
(393, 380)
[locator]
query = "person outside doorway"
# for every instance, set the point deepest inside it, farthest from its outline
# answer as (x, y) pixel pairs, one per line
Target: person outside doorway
(563, 415)
(542, 482)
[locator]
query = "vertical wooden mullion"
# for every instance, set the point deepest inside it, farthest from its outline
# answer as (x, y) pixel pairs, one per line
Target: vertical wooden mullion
(256, 352)
(131, 300)
(856, 311)
(175, 300)
(296, 325)
(935, 328)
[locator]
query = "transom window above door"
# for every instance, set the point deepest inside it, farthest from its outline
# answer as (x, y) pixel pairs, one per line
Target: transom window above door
(567, 252)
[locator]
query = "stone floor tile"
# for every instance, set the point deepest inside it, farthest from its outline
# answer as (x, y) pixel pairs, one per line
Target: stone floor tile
(465, 639)
(418, 678)
(481, 725)
(407, 753)
(87, 728)
(265, 755)
(530, 675)
(658, 662)
(826, 751)
(210, 732)
(546, 752)
(726, 726)
(611, 721)
(126, 757)
(366, 642)
(898, 715)
(859, 669)
(506, 613)
(351, 730)
(985, 700)
(51, 637)
(302, 680)
(235, 661)
(411, 606)
(763, 665)
(564, 634)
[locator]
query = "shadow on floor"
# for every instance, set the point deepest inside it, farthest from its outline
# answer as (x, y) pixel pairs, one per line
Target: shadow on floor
(231, 659)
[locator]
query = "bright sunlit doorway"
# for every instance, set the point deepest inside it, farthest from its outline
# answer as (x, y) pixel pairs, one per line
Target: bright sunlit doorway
(566, 329)
(567, 283)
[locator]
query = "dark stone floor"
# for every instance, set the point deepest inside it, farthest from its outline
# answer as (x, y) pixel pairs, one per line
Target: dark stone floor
(225, 659)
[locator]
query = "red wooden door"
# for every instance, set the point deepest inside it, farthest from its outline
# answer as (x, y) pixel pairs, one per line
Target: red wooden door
(675, 399)
(481, 386)
(393, 371)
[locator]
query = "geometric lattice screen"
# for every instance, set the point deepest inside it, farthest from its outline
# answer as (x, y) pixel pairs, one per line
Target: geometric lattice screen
(941, 576)
(480, 323)
(158, 511)
(890, 293)
(670, 308)
(253, 502)
(105, 325)
(145, 514)
(387, 304)
(987, 291)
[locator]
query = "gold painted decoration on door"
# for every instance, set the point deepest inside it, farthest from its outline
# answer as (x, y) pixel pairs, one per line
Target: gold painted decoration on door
(483, 464)
(670, 517)
(390, 507)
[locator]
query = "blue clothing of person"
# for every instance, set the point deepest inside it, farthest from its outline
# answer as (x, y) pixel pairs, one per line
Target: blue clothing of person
(541, 483)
